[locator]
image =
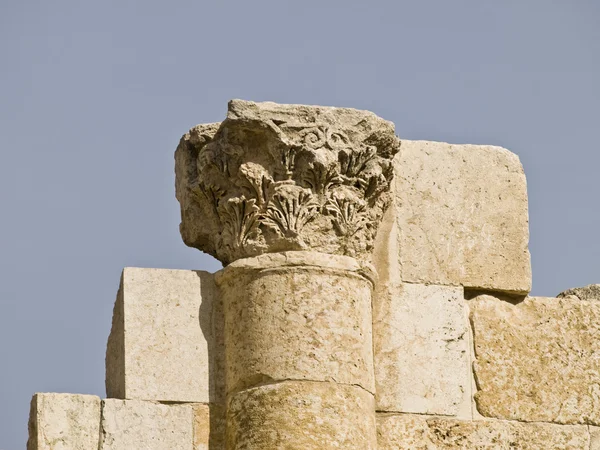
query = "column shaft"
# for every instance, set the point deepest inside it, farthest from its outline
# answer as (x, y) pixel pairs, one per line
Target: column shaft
(298, 338)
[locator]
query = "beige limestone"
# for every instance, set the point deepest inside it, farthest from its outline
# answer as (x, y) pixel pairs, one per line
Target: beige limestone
(302, 415)
(209, 426)
(594, 438)
(420, 341)
(165, 343)
(538, 360)
(274, 178)
(415, 432)
(589, 292)
(136, 424)
(462, 216)
(64, 422)
(299, 316)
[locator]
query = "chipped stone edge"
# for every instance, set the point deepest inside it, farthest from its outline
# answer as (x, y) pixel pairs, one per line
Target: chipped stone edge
(593, 433)
(309, 259)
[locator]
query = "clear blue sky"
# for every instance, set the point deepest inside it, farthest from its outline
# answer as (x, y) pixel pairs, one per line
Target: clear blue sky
(94, 97)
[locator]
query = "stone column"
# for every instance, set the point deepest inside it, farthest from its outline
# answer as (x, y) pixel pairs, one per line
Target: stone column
(299, 351)
(289, 198)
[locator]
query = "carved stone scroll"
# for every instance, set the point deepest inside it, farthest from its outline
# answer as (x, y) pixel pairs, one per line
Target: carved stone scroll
(274, 178)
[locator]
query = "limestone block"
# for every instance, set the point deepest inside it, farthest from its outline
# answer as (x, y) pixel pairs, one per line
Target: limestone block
(594, 438)
(412, 432)
(136, 424)
(538, 360)
(209, 426)
(274, 178)
(590, 292)
(299, 316)
(462, 216)
(302, 416)
(165, 343)
(64, 422)
(420, 341)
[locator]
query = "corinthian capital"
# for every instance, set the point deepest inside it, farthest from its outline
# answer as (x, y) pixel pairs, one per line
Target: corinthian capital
(272, 178)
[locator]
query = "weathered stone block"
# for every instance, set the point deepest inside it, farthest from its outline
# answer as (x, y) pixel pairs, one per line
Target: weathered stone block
(462, 216)
(135, 424)
(209, 426)
(64, 422)
(411, 432)
(298, 316)
(538, 360)
(594, 438)
(301, 415)
(589, 292)
(420, 341)
(273, 178)
(166, 342)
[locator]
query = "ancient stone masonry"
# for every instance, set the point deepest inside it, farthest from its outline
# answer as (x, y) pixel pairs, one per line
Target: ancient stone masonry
(283, 177)
(291, 198)
(374, 295)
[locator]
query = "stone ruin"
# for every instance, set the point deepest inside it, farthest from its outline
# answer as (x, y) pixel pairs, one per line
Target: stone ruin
(373, 296)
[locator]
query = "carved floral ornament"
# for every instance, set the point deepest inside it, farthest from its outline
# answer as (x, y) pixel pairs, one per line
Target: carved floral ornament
(276, 186)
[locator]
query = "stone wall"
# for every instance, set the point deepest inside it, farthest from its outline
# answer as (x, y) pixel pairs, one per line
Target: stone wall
(463, 357)
(422, 338)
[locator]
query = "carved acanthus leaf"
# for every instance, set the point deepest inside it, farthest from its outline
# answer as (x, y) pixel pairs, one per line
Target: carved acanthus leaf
(258, 180)
(210, 192)
(353, 162)
(349, 215)
(320, 178)
(239, 217)
(290, 210)
(373, 183)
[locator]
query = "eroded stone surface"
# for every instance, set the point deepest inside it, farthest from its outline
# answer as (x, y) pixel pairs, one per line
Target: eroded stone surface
(272, 178)
(64, 422)
(302, 416)
(166, 340)
(462, 216)
(594, 438)
(589, 292)
(538, 360)
(209, 426)
(412, 432)
(298, 316)
(135, 424)
(420, 341)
